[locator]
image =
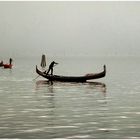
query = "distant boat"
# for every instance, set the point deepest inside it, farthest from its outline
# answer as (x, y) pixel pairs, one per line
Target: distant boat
(72, 78)
(7, 66)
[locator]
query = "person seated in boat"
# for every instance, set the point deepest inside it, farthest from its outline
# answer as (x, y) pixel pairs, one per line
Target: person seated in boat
(89, 74)
(51, 67)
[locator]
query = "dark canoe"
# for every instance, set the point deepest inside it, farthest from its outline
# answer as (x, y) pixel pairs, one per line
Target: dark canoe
(72, 78)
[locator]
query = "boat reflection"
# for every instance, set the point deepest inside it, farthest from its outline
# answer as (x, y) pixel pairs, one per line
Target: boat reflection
(99, 86)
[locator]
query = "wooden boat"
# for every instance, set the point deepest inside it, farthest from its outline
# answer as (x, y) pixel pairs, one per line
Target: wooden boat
(72, 78)
(7, 66)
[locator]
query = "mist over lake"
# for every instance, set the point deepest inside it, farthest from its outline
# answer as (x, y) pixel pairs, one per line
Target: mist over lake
(69, 28)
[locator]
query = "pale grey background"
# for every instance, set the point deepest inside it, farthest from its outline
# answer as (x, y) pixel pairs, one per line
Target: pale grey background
(69, 28)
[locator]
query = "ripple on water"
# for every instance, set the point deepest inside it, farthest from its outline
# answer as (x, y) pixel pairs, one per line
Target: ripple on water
(108, 129)
(68, 126)
(33, 130)
(79, 137)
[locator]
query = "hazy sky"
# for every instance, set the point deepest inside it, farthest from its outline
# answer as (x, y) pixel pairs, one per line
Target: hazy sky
(69, 28)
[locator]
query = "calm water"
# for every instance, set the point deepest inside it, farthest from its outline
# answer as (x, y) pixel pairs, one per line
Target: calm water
(107, 109)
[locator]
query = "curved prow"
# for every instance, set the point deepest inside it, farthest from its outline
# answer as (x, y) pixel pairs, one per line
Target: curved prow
(105, 69)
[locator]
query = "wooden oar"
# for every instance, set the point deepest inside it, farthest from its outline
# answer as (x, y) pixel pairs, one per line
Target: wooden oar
(36, 77)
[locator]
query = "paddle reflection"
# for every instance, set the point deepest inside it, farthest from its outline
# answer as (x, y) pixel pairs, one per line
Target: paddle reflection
(42, 83)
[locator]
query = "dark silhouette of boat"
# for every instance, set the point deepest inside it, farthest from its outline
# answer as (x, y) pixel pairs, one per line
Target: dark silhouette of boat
(72, 78)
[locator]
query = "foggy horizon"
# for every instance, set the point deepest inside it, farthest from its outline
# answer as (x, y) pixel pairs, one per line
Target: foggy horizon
(69, 28)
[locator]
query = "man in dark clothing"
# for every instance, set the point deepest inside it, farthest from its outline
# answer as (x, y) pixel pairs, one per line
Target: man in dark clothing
(51, 67)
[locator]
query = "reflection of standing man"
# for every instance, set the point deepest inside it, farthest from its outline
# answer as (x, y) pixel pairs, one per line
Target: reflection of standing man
(51, 67)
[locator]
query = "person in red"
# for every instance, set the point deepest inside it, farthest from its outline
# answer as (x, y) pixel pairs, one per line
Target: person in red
(51, 67)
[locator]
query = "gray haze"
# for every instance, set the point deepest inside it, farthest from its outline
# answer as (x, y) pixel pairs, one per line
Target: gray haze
(69, 28)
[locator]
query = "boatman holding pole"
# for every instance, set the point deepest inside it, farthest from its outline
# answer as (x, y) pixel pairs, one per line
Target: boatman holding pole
(51, 67)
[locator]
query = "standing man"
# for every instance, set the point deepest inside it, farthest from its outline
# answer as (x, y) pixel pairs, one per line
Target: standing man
(51, 67)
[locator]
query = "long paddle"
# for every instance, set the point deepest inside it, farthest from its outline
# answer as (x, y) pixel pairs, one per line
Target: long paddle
(36, 77)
